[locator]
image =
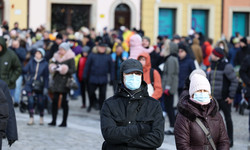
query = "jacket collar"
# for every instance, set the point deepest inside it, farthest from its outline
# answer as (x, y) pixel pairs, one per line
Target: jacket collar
(192, 110)
(133, 95)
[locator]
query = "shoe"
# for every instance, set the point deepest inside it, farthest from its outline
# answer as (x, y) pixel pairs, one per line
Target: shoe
(231, 143)
(31, 122)
(41, 121)
(52, 124)
(89, 109)
(16, 104)
(169, 132)
(83, 106)
(63, 125)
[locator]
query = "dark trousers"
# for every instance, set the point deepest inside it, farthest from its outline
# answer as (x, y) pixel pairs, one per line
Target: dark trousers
(169, 102)
(83, 93)
(40, 103)
(226, 109)
(64, 106)
(92, 95)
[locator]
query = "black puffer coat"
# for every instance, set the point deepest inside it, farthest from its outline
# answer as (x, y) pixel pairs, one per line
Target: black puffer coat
(4, 113)
(121, 114)
(67, 64)
(11, 130)
(245, 74)
(189, 135)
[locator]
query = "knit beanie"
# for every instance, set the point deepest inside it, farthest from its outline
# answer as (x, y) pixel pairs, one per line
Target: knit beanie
(197, 71)
(65, 46)
(182, 46)
(218, 52)
(199, 82)
(42, 51)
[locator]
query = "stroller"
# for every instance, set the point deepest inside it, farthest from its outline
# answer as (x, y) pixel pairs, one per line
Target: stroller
(23, 107)
(243, 103)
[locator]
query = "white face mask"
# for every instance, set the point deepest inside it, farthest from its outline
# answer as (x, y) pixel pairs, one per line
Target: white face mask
(132, 81)
(202, 97)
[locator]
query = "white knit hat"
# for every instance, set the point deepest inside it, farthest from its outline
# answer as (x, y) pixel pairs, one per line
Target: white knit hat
(198, 82)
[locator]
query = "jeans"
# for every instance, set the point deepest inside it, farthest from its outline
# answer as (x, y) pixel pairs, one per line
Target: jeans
(12, 93)
(78, 91)
(17, 94)
(40, 103)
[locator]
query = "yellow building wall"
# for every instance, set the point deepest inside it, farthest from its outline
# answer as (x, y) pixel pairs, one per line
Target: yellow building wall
(148, 15)
(18, 13)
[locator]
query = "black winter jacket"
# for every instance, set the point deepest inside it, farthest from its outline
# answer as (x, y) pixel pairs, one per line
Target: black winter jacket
(223, 80)
(122, 115)
(245, 74)
(11, 130)
(4, 113)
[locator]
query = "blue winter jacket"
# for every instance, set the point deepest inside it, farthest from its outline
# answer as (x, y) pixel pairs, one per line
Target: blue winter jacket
(42, 73)
(97, 68)
(186, 66)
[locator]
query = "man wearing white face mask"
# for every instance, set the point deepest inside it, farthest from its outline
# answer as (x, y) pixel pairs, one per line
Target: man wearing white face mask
(131, 119)
(197, 102)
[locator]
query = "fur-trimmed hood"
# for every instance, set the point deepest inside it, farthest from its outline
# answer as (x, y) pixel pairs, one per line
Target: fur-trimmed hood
(191, 110)
(69, 55)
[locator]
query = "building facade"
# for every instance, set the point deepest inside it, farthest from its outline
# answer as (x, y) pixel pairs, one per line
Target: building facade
(236, 17)
(168, 17)
(57, 14)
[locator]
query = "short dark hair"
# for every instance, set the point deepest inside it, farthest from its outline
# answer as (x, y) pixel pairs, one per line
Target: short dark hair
(210, 41)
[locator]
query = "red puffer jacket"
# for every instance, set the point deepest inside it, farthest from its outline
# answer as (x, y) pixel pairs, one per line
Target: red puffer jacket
(189, 135)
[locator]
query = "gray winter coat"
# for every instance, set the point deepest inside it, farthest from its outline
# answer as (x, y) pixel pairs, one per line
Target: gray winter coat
(223, 80)
(170, 78)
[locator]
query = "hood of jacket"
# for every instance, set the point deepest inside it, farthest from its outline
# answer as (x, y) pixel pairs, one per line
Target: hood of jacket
(196, 41)
(135, 40)
(3, 44)
(191, 110)
(206, 43)
(68, 55)
(173, 48)
(148, 61)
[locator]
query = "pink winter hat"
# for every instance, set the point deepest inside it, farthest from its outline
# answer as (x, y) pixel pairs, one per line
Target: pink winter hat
(198, 82)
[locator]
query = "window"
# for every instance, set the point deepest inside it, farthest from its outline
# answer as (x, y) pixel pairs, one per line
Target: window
(240, 23)
(166, 25)
(200, 21)
(1, 11)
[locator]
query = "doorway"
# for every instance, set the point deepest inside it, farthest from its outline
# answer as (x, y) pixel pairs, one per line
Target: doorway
(65, 15)
(122, 16)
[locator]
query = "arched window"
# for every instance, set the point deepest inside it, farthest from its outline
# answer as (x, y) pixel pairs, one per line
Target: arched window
(122, 16)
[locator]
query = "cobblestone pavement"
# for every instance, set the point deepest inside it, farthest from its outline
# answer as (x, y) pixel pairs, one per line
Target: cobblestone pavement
(83, 132)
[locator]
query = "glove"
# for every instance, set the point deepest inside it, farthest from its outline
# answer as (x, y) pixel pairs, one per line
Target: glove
(166, 92)
(59, 68)
(53, 68)
(143, 128)
(10, 142)
(45, 91)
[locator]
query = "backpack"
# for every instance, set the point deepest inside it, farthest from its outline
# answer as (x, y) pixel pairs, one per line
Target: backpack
(152, 76)
(204, 51)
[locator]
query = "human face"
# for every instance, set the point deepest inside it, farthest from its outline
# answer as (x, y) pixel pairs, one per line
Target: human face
(132, 80)
(101, 49)
(200, 91)
(1, 48)
(38, 55)
(58, 41)
(182, 54)
(142, 60)
(119, 50)
(62, 51)
(214, 58)
(145, 43)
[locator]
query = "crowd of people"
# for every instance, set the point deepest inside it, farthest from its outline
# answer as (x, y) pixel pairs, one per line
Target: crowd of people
(40, 64)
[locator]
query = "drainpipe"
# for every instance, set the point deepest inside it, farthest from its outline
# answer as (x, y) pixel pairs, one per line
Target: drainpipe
(141, 14)
(222, 16)
(28, 13)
